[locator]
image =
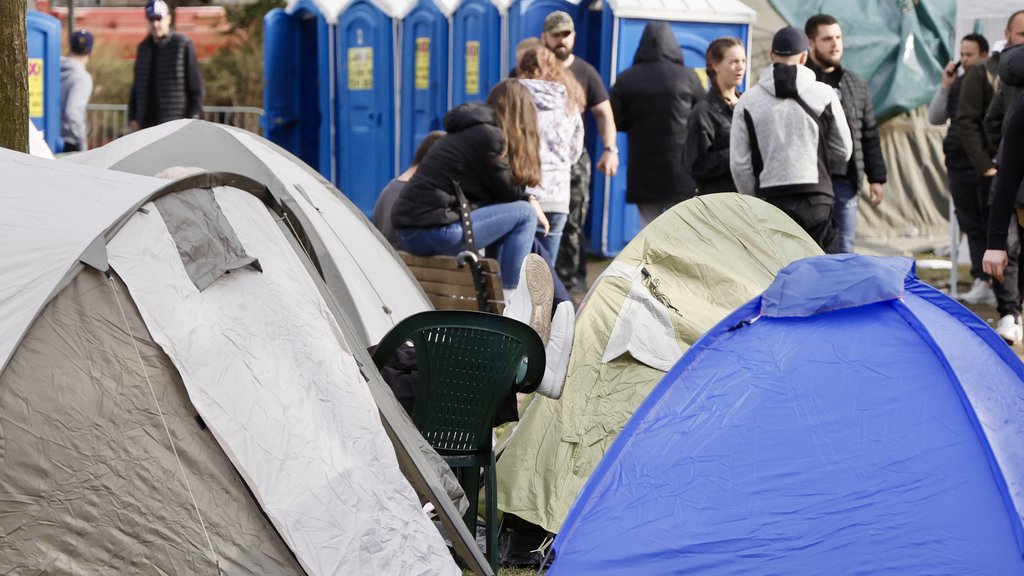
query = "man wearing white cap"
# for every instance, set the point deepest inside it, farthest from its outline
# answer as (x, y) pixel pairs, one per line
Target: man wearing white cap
(168, 84)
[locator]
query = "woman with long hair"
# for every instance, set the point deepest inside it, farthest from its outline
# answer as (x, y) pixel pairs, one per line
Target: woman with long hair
(560, 102)
(488, 157)
(707, 140)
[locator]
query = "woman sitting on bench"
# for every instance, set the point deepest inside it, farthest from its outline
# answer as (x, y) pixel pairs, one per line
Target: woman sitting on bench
(489, 155)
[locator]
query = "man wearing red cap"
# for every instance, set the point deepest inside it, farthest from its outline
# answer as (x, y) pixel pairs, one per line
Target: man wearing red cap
(168, 84)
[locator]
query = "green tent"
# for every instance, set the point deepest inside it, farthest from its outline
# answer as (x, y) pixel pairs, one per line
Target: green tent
(680, 276)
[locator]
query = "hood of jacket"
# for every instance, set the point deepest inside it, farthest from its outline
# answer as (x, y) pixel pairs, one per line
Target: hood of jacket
(786, 81)
(546, 95)
(658, 43)
(1011, 66)
(467, 115)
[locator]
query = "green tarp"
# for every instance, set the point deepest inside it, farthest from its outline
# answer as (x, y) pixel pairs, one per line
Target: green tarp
(898, 46)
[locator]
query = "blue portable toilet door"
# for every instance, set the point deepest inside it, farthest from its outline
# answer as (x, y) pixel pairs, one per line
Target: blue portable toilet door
(476, 51)
(296, 94)
(424, 76)
(526, 18)
(365, 128)
(43, 36)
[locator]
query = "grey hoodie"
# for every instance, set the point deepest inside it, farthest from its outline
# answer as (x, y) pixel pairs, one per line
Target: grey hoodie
(774, 142)
(75, 90)
(561, 143)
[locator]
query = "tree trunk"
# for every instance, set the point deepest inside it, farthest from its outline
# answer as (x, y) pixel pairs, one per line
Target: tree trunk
(13, 76)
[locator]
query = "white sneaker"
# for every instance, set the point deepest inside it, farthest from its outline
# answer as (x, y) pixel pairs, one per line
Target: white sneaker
(530, 302)
(1009, 329)
(980, 293)
(563, 329)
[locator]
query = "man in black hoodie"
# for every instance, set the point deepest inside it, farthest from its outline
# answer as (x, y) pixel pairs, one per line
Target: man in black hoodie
(652, 101)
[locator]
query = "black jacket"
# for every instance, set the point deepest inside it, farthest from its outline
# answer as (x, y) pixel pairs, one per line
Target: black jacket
(168, 84)
(471, 153)
(952, 147)
(860, 114)
(652, 101)
(1009, 88)
(707, 145)
(976, 94)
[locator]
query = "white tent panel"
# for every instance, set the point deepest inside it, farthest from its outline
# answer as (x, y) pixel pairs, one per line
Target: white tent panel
(332, 9)
(266, 366)
(383, 291)
(990, 16)
(684, 10)
(381, 288)
(43, 235)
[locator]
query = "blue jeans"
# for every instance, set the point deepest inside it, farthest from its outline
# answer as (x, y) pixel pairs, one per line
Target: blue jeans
(553, 239)
(505, 229)
(845, 212)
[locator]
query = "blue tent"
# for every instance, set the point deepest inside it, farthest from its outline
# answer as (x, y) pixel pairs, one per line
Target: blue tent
(851, 420)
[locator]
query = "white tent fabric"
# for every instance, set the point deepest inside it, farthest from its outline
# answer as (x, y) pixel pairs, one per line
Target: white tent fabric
(381, 289)
(267, 385)
(37, 145)
(260, 354)
(989, 16)
(42, 235)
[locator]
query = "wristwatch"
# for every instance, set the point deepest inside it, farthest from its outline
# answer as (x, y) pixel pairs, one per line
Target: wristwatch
(612, 149)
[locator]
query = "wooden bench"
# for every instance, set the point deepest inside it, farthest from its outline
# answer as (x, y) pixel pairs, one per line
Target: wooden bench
(451, 286)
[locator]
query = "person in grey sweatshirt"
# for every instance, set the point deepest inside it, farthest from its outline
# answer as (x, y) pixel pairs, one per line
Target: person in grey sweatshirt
(75, 91)
(789, 133)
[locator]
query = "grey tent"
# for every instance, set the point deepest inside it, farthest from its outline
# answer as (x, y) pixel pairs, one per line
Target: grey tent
(362, 271)
(179, 392)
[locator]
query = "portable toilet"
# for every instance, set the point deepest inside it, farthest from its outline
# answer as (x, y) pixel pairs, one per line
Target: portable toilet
(478, 49)
(297, 94)
(424, 74)
(357, 90)
(44, 109)
(695, 24)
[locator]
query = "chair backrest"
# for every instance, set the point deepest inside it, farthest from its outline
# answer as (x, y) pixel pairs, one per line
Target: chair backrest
(467, 362)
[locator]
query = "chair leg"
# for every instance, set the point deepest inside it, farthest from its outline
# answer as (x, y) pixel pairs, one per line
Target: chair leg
(469, 478)
(490, 525)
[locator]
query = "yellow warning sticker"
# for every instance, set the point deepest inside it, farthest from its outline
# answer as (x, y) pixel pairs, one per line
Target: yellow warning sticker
(360, 68)
(702, 74)
(422, 63)
(472, 67)
(35, 87)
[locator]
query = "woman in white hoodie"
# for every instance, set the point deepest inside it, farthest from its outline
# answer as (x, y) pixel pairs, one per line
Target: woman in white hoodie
(560, 103)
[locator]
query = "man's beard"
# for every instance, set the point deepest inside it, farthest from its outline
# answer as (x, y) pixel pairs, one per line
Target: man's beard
(824, 60)
(562, 53)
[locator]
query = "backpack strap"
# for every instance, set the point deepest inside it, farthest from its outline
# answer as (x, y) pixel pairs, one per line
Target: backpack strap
(467, 222)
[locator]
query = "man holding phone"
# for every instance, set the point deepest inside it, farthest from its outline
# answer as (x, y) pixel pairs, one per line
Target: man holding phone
(969, 199)
(980, 85)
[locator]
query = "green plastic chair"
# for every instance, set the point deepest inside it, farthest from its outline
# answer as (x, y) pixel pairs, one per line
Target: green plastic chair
(467, 363)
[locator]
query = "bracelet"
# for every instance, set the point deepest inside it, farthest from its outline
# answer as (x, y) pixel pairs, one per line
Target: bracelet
(612, 149)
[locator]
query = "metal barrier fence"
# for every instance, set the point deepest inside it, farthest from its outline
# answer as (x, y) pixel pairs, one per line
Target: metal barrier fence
(110, 121)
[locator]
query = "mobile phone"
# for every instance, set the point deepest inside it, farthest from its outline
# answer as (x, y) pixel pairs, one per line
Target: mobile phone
(956, 66)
